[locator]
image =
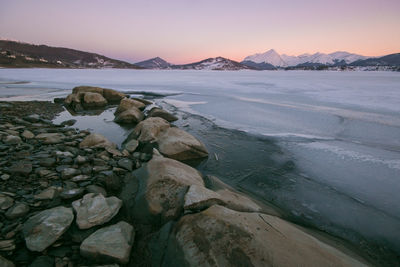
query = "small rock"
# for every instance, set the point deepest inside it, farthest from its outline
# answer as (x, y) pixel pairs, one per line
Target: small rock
(131, 145)
(110, 243)
(17, 211)
(50, 138)
(27, 134)
(65, 154)
(44, 228)
(80, 178)
(7, 245)
(126, 164)
(5, 202)
(96, 140)
(69, 172)
(68, 122)
(95, 209)
(12, 140)
(32, 118)
(115, 152)
(72, 193)
(80, 159)
(5, 177)
(100, 168)
(47, 162)
(47, 194)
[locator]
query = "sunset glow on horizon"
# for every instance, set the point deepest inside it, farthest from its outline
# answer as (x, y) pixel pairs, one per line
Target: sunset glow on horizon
(186, 31)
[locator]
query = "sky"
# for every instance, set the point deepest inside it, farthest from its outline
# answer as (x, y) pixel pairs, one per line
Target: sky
(184, 31)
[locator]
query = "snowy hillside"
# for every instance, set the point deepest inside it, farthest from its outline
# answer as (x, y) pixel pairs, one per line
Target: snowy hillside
(216, 63)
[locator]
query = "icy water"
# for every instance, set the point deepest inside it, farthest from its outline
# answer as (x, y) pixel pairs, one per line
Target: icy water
(322, 146)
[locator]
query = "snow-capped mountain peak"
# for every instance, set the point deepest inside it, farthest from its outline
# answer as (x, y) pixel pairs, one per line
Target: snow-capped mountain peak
(272, 57)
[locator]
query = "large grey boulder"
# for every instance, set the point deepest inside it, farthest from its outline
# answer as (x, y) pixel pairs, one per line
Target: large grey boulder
(158, 112)
(180, 145)
(219, 236)
(163, 184)
(149, 129)
(128, 103)
(94, 100)
(95, 209)
(132, 115)
(44, 228)
(109, 244)
(95, 140)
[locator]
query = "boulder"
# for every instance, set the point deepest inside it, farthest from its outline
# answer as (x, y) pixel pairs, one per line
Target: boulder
(85, 89)
(44, 228)
(199, 198)
(219, 236)
(163, 184)
(149, 129)
(158, 112)
(95, 209)
(144, 101)
(132, 115)
(180, 145)
(113, 96)
(128, 103)
(109, 244)
(50, 138)
(95, 140)
(94, 100)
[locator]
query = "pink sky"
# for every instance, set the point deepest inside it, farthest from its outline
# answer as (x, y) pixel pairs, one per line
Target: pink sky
(183, 31)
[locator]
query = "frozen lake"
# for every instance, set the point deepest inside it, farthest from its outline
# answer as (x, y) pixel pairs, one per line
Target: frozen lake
(340, 129)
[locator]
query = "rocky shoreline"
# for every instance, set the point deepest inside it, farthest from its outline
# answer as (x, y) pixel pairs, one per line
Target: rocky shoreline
(73, 198)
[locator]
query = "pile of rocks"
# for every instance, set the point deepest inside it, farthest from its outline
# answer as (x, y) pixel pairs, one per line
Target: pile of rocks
(58, 190)
(72, 198)
(89, 97)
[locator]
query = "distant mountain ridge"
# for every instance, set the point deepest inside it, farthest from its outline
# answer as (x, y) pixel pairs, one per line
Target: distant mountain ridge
(277, 60)
(215, 63)
(154, 63)
(24, 55)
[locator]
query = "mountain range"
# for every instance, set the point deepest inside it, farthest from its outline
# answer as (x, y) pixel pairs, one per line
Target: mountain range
(333, 59)
(23, 55)
(16, 54)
